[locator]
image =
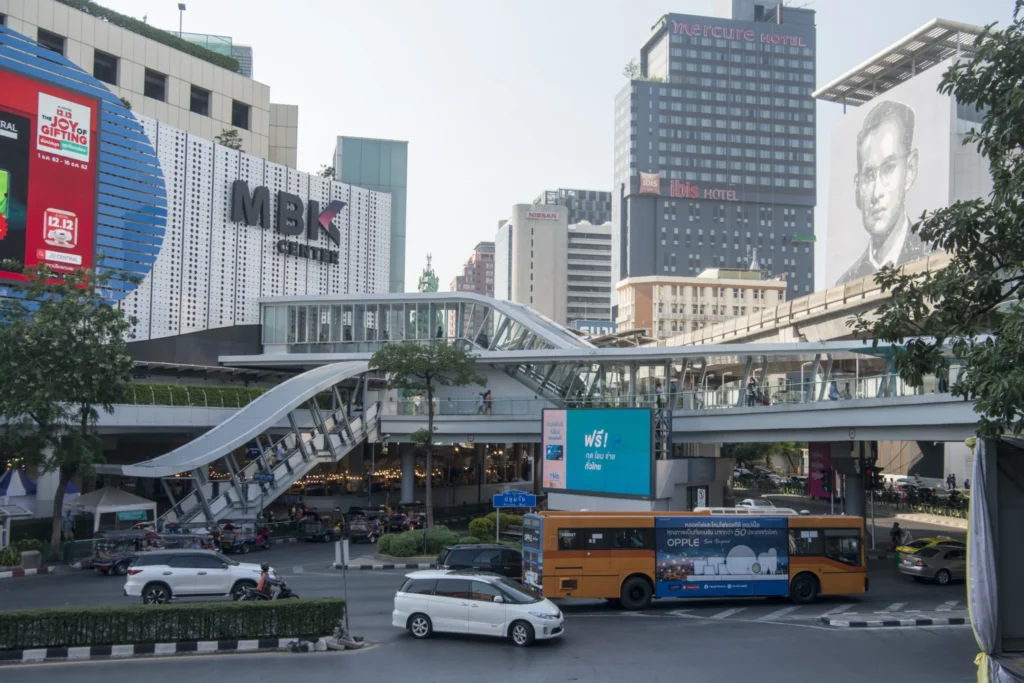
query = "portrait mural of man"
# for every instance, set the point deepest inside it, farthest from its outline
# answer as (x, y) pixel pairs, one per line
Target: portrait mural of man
(887, 167)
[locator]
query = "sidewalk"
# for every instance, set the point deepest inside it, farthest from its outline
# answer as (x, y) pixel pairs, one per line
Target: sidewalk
(938, 520)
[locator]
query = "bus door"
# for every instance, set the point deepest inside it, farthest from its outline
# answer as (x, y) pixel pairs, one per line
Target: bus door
(599, 576)
(844, 572)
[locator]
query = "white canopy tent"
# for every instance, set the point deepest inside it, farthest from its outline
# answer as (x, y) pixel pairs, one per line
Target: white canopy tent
(111, 500)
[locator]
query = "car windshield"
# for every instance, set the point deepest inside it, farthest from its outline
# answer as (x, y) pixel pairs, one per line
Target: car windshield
(918, 544)
(227, 560)
(517, 592)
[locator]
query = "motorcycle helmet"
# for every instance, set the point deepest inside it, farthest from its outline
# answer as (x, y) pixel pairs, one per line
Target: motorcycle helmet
(265, 567)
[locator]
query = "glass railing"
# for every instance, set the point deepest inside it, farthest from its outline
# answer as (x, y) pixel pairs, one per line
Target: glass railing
(712, 398)
(513, 407)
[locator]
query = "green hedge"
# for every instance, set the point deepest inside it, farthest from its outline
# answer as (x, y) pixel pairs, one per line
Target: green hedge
(410, 543)
(147, 31)
(195, 396)
(483, 527)
(40, 528)
(84, 626)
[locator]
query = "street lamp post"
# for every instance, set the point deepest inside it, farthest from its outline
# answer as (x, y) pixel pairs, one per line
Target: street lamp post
(181, 18)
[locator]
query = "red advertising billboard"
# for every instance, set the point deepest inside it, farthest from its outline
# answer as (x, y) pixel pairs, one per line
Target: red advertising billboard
(48, 152)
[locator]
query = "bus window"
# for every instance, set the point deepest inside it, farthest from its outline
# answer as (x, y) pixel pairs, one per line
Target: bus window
(632, 539)
(570, 539)
(596, 539)
(843, 545)
(806, 542)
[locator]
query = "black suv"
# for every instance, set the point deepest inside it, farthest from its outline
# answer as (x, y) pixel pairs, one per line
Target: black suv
(488, 557)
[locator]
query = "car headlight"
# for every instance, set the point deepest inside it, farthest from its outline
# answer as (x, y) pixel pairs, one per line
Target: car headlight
(542, 615)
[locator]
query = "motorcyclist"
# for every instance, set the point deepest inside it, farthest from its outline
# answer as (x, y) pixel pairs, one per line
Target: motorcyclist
(267, 581)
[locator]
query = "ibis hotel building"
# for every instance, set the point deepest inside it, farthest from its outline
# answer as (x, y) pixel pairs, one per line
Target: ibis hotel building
(715, 147)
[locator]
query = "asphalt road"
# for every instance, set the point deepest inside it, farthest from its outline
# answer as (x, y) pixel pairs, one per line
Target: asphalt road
(594, 649)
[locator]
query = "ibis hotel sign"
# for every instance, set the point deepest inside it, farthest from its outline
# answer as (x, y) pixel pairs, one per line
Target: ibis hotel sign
(292, 220)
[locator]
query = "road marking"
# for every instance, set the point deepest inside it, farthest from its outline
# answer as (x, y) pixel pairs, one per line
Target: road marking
(779, 613)
(727, 613)
(895, 607)
(837, 610)
(683, 614)
(948, 605)
(298, 570)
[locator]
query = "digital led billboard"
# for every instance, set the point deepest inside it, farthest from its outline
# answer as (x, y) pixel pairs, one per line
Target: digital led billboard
(598, 451)
(47, 175)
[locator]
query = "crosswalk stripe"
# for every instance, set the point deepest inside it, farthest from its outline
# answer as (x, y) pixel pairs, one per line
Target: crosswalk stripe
(948, 605)
(779, 613)
(297, 570)
(895, 607)
(728, 613)
(837, 610)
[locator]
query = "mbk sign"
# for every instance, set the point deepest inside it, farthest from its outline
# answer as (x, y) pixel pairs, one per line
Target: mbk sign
(293, 219)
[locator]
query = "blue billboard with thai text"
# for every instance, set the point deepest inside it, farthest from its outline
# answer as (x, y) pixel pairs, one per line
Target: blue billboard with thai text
(599, 451)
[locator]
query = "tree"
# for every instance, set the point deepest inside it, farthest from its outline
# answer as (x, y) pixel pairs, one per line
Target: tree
(326, 172)
(126, 103)
(631, 70)
(757, 453)
(981, 289)
(230, 138)
(65, 357)
(422, 368)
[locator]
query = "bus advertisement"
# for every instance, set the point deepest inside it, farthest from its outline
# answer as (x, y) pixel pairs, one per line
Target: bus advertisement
(714, 557)
(634, 557)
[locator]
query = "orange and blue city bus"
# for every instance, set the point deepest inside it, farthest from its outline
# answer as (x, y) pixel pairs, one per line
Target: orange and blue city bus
(633, 557)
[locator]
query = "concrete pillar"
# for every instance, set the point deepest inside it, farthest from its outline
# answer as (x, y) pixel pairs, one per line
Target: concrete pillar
(408, 455)
(853, 504)
(481, 473)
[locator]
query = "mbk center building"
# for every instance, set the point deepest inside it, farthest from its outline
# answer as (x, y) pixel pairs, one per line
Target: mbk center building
(207, 229)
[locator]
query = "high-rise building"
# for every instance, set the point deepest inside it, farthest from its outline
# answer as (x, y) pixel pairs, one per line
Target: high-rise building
(379, 165)
(192, 87)
(478, 272)
(530, 259)
(588, 275)
(593, 206)
(715, 146)
(670, 306)
(243, 53)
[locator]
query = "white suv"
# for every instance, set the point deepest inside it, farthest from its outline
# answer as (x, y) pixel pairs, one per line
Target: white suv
(158, 576)
(474, 602)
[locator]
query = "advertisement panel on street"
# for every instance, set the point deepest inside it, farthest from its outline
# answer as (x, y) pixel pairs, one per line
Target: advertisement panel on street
(48, 152)
(599, 451)
(819, 461)
(721, 556)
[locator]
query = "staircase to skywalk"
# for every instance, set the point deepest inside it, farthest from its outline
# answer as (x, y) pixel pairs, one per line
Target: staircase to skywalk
(252, 488)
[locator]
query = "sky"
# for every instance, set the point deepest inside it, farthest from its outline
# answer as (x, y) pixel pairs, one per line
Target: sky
(499, 100)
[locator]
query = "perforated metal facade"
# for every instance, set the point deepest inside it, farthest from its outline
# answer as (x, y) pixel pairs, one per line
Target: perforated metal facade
(212, 271)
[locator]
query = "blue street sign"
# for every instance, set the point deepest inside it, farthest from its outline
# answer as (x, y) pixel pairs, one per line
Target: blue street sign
(263, 476)
(252, 450)
(515, 499)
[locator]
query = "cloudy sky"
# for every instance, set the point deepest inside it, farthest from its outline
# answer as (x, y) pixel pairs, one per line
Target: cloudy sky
(499, 100)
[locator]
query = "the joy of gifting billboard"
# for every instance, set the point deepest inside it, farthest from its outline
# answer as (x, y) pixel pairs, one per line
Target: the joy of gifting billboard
(599, 451)
(47, 175)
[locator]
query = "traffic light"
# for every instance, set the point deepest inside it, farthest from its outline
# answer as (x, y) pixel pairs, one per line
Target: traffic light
(873, 477)
(826, 480)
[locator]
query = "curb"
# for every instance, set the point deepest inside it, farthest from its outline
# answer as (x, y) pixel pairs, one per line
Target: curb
(18, 573)
(124, 651)
(878, 623)
(378, 567)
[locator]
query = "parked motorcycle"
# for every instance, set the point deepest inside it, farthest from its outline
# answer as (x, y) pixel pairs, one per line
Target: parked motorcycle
(282, 593)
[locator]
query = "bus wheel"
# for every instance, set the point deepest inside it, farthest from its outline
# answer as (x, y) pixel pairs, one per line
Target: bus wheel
(636, 593)
(804, 589)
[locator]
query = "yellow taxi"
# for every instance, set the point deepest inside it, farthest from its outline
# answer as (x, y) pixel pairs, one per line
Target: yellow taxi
(921, 543)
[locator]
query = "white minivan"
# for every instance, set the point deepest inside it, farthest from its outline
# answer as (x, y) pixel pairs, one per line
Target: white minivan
(474, 602)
